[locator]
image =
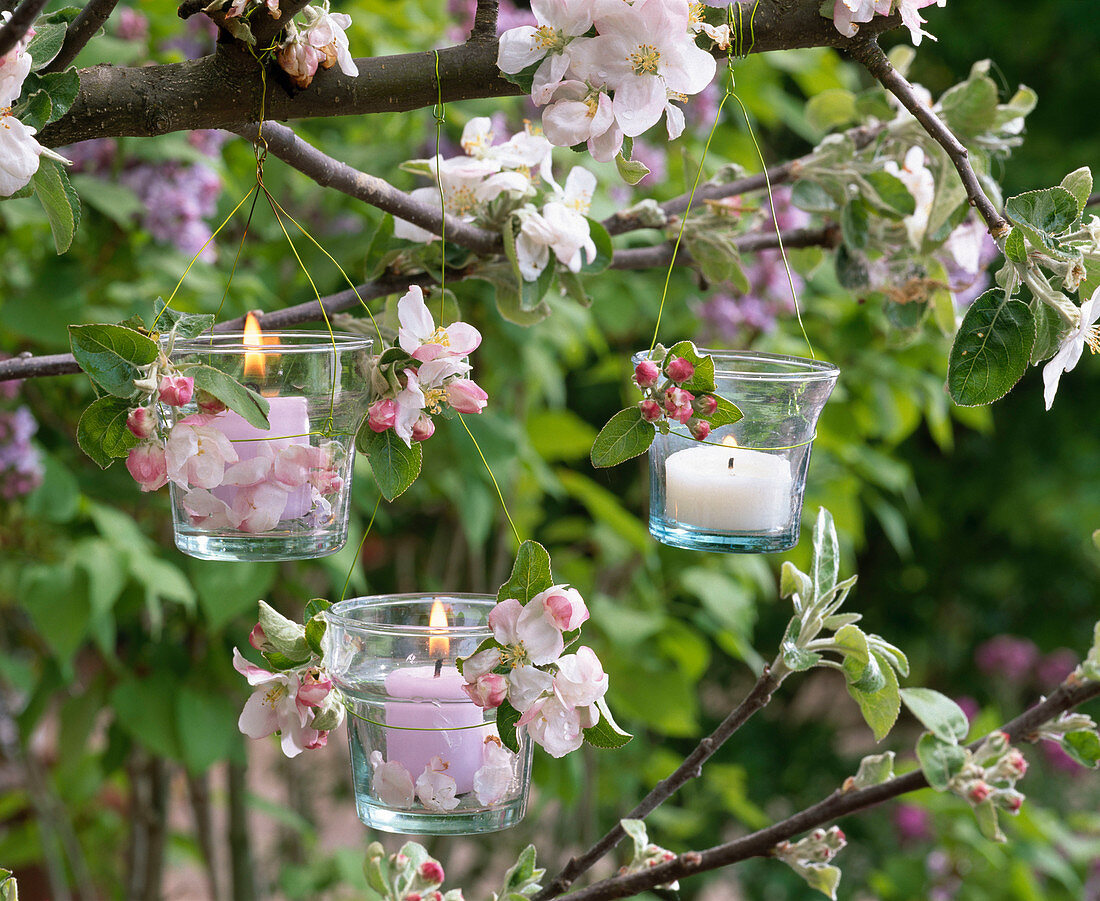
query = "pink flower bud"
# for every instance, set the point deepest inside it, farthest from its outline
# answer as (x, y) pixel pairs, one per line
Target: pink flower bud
(678, 404)
(699, 429)
(431, 871)
(147, 465)
(466, 396)
(435, 896)
(299, 60)
(314, 688)
(1016, 763)
(978, 793)
(316, 744)
(679, 370)
(400, 861)
(651, 410)
(141, 422)
(414, 896)
(209, 404)
(423, 428)
(382, 415)
(176, 390)
(646, 374)
(257, 638)
(705, 404)
(565, 606)
(489, 691)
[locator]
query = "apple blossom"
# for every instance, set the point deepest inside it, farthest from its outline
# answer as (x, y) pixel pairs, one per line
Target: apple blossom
(292, 465)
(146, 463)
(494, 777)
(559, 21)
(434, 788)
(477, 665)
(314, 688)
(1072, 346)
(419, 337)
(526, 685)
(699, 429)
(141, 422)
(207, 510)
(299, 59)
(553, 726)
(564, 605)
(431, 872)
(580, 680)
(705, 404)
(679, 370)
(410, 401)
(466, 396)
(382, 414)
(423, 428)
(488, 691)
(678, 404)
(273, 707)
(390, 782)
(646, 374)
(528, 633)
(176, 390)
(920, 182)
(580, 114)
(325, 32)
(259, 507)
(651, 410)
(197, 453)
(257, 638)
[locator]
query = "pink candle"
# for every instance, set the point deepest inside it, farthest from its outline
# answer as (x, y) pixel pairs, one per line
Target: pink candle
(289, 420)
(413, 738)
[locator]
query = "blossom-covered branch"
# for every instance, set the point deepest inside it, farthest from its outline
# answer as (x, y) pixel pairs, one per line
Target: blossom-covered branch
(870, 55)
(762, 843)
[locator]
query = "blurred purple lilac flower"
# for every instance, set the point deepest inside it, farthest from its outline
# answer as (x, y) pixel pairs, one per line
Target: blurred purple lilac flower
(654, 158)
(969, 706)
(1055, 666)
(130, 25)
(20, 463)
(197, 40)
(1059, 760)
(1008, 657)
(912, 823)
(95, 157)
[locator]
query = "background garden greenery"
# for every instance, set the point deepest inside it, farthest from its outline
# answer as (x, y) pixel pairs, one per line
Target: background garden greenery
(964, 525)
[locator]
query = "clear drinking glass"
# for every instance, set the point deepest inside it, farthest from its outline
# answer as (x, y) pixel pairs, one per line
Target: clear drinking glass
(410, 722)
(280, 493)
(741, 489)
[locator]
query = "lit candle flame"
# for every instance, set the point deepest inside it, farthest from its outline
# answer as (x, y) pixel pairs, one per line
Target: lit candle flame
(439, 645)
(730, 441)
(254, 365)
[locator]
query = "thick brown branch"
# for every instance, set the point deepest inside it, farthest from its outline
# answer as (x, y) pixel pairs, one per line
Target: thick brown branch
(660, 255)
(82, 30)
(224, 90)
(870, 55)
(838, 804)
(20, 23)
(331, 173)
(690, 769)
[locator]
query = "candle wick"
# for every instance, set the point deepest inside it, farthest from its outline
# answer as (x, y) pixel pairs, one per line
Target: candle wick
(730, 466)
(438, 668)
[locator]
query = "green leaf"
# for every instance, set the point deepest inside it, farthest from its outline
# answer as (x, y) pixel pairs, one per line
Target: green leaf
(825, 878)
(795, 658)
(892, 191)
(874, 769)
(507, 717)
(826, 559)
(283, 634)
(831, 108)
(986, 815)
(59, 200)
(1050, 211)
(146, 709)
(523, 876)
(702, 380)
(606, 733)
(1079, 184)
(530, 574)
(725, 413)
(228, 592)
(102, 433)
(939, 760)
(184, 325)
(1050, 328)
(1016, 246)
(630, 171)
(530, 294)
(115, 201)
(812, 197)
(251, 406)
(1083, 746)
(395, 465)
(625, 436)
(970, 108)
(316, 624)
(991, 350)
(793, 581)
(855, 224)
(879, 708)
(716, 254)
(638, 834)
(938, 713)
(110, 355)
(46, 43)
(207, 728)
(851, 269)
(46, 98)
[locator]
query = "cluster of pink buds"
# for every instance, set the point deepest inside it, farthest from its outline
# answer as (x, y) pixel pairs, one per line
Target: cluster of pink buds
(991, 774)
(666, 398)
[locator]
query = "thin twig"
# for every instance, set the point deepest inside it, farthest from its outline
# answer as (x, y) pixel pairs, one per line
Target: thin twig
(870, 55)
(485, 21)
(839, 804)
(691, 768)
(199, 789)
(240, 846)
(84, 28)
(659, 255)
(20, 23)
(332, 173)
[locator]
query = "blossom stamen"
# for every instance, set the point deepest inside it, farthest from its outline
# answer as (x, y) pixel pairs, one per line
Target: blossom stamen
(1092, 339)
(548, 38)
(645, 59)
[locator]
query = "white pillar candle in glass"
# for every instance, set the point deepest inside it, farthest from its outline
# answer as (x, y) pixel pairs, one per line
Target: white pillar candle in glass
(728, 489)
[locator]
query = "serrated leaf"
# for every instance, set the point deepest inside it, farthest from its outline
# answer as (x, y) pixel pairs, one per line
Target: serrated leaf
(1079, 184)
(1083, 746)
(395, 465)
(59, 200)
(1050, 328)
(283, 634)
(1016, 246)
(726, 413)
(630, 171)
(530, 573)
(507, 717)
(880, 708)
(938, 713)
(892, 192)
(793, 581)
(716, 254)
(874, 769)
(702, 380)
(970, 108)
(184, 325)
(102, 433)
(988, 825)
(940, 761)
(1050, 211)
(625, 436)
(241, 399)
(46, 43)
(110, 355)
(606, 733)
(991, 350)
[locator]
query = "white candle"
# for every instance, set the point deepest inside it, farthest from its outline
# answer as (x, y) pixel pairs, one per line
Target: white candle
(730, 489)
(440, 704)
(289, 420)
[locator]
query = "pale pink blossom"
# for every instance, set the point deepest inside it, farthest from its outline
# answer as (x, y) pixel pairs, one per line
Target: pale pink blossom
(530, 630)
(423, 428)
(390, 782)
(1072, 346)
(273, 707)
(559, 21)
(252, 471)
(479, 664)
(141, 422)
(565, 606)
(646, 374)
(678, 404)
(580, 114)
(680, 370)
(465, 396)
(176, 390)
(526, 685)
(257, 638)
(434, 788)
(554, 726)
(259, 507)
(488, 691)
(410, 402)
(299, 59)
(419, 337)
(314, 688)
(494, 777)
(580, 680)
(382, 414)
(147, 465)
(207, 510)
(197, 453)
(699, 429)
(292, 466)
(651, 410)
(920, 182)
(326, 33)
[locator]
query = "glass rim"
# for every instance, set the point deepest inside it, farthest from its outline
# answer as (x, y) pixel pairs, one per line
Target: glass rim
(799, 369)
(292, 341)
(337, 613)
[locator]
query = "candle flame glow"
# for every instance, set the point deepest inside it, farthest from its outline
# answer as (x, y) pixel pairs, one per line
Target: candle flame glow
(439, 645)
(730, 441)
(254, 365)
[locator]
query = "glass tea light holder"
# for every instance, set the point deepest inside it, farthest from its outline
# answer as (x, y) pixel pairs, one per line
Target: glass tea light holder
(740, 490)
(425, 759)
(242, 492)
